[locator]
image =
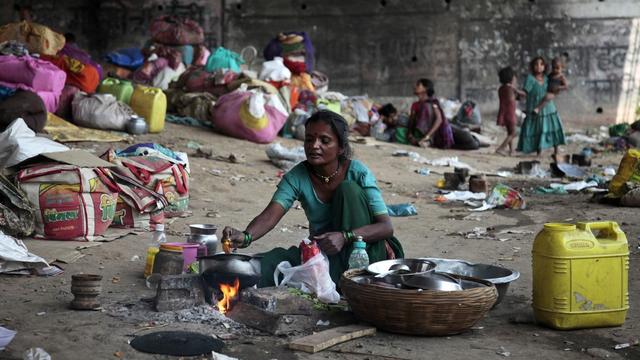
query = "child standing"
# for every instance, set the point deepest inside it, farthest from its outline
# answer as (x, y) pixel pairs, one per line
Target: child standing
(557, 83)
(508, 95)
(540, 130)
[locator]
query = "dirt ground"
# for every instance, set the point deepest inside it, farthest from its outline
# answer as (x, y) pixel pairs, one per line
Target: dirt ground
(37, 307)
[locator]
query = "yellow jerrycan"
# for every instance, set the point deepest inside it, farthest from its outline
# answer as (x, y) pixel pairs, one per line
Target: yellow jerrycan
(151, 104)
(580, 275)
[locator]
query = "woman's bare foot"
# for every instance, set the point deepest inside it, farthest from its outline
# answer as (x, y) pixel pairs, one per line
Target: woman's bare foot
(501, 152)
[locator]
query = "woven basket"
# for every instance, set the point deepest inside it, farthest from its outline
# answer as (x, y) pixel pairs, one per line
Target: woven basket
(414, 312)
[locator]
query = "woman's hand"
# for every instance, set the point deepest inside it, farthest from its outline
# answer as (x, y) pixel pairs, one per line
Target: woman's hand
(424, 143)
(331, 242)
(236, 236)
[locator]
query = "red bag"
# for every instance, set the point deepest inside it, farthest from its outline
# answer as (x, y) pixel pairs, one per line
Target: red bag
(307, 251)
(173, 55)
(72, 203)
(171, 30)
(83, 76)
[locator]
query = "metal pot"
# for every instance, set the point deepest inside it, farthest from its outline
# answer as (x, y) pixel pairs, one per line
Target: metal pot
(225, 268)
(416, 267)
(204, 234)
(136, 125)
(434, 281)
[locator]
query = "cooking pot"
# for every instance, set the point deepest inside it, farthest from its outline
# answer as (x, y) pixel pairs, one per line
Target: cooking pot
(225, 268)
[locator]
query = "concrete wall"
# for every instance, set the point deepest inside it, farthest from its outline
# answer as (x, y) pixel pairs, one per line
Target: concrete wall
(382, 47)
(103, 25)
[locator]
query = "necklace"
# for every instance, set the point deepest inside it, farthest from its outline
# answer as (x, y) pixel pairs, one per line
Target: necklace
(326, 179)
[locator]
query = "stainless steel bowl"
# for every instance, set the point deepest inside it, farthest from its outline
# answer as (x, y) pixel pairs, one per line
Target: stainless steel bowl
(499, 276)
(433, 281)
(203, 229)
(416, 266)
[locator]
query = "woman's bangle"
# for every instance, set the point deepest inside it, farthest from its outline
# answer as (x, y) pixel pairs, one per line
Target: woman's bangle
(349, 236)
(248, 238)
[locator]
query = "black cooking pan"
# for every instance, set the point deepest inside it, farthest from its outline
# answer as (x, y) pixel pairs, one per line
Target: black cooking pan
(225, 268)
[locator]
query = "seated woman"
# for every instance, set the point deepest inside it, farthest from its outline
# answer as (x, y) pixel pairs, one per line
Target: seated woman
(427, 123)
(468, 117)
(339, 196)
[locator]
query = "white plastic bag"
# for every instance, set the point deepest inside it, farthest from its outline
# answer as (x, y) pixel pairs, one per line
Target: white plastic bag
(19, 143)
(310, 277)
(274, 70)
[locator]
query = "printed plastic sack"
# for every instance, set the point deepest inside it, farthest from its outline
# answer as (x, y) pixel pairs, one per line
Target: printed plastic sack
(310, 277)
(224, 59)
(100, 111)
(250, 115)
(84, 77)
(73, 51)
(171, 30)
(274, 70)
(629, 170)
(72, 203)
(38, 38)
(505, 197)
(149, 70)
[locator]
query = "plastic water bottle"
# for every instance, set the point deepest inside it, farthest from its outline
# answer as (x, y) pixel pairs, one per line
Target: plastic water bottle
(359, 258)
(158, 238)
(158, 235)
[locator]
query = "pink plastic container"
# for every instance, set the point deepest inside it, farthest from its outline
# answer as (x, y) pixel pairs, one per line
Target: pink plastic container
(189, 253)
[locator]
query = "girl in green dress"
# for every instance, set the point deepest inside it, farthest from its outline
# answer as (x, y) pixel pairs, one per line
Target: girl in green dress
(542, 130)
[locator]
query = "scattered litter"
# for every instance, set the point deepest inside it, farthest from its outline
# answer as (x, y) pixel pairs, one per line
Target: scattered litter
(402, 210)
(193, 145)
(36, 354)
(41, 313)
(285, 229)
(514, 231)
(504, 174)
(571, 171)
(323, 323)
(118, 354)
(216, 172)
(622, 346)
(218, 356)
(575, 138)
(476, 233)
(503, 352)
(52, 270)
(461, 196)
(115, 279)
(503, 196)
(445, 161)
(6, 336)
(14, 255)
(423, 171)
(550, 190)
(574, 186)
(609, 171)
(135, 258)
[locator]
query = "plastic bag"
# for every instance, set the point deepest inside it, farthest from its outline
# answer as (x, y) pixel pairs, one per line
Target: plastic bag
(402, 210)
(224, 59)
(310, 277)
(274, 70)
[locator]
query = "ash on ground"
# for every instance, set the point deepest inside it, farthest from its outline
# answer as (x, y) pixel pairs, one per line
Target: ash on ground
(142, 311)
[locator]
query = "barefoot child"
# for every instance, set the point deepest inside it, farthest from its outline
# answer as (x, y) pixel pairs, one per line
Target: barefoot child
(557, 83)
(544, 129)
(508, 94)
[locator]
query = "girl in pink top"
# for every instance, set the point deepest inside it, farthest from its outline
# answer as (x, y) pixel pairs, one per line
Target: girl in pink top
(508, 95)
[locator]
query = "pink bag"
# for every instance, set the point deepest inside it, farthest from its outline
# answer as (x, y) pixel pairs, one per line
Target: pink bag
(71, 203)
(37, 74)
(171, 30)
(250, 115)
(201, 55)
(149, 70)
(51, 100)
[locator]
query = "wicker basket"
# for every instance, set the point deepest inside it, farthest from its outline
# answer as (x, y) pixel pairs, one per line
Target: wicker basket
(433, 313)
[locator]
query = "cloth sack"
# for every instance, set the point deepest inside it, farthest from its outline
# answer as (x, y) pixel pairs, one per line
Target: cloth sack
(310, 277)
(200, 55)
(32, 72)
(224, 59)
(26, 105)
(38, 38)
(196, 105)
(149, 70)
(165, 76)
(100, 111)
(171, 30)
(17, 215)
(251, 115)
(66, 98)
(83, 76)
(72, 203)
(172, 54)
(148, 177)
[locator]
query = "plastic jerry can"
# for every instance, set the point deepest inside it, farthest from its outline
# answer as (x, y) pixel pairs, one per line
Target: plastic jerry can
(151, 104)
(580, 279)
(121, 89)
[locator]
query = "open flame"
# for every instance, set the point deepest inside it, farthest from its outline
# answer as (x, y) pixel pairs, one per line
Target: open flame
(230, 293)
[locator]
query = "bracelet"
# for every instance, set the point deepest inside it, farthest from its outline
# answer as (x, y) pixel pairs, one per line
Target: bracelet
(248, 238)
(349, 236)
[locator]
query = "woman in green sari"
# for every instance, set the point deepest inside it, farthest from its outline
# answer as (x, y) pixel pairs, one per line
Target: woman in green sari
(543, 129)
(339, 196)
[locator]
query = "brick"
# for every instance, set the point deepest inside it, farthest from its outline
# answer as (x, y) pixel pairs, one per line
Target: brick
(176, 292)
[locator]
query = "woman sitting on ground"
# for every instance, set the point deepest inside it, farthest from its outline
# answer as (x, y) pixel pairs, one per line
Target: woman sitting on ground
(427, 123)
(339, 196)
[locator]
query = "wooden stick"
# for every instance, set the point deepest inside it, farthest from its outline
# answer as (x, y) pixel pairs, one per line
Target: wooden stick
(328, 338)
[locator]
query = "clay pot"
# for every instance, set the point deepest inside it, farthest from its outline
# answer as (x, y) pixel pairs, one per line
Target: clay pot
(85, 288)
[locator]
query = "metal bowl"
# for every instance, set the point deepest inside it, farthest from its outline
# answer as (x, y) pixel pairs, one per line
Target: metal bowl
(434, 281)
(499, 276)
(416, 266)
(203, 229)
